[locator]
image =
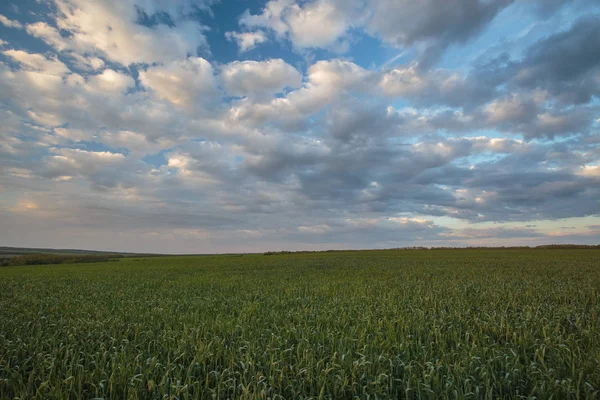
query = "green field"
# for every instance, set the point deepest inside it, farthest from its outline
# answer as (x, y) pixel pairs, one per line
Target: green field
(381, 324)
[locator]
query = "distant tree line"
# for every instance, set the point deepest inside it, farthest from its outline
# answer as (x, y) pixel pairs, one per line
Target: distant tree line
(545, 246)
(569, 246)
(40, 259)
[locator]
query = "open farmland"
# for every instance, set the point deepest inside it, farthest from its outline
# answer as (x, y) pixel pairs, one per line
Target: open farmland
(378, 324)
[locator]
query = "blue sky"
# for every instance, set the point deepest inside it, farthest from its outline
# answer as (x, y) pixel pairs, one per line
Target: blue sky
(193, 126)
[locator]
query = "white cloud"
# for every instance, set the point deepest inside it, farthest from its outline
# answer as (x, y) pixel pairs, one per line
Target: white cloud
(315, 229)
(254, 78)
(186, 83)
(340, 74)
(75, 135)
(85, 161)
(137, 143)
(317, 24)
(53, 38)
(48, 34)
(592, 171)
(20, 172)
(271, 17)
(53, 100)
(110, 82)
(404, 81)
(513, 108)
(499, 145)
(87, 63)
(325, 82)
(102, 169)
(38, 62)
(10, 23)
(434, 86)
(247, 40)
(45, 118)
(109, 29)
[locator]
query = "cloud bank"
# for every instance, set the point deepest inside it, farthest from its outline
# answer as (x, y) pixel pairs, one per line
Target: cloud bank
(124, 128)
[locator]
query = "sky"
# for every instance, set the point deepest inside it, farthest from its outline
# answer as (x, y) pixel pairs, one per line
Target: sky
(202, 126)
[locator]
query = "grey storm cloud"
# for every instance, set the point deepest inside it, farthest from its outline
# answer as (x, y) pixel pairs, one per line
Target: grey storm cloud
(567, 64)
(437, 24)
(546, 94)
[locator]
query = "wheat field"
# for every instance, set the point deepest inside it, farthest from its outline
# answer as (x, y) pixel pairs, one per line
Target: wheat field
(427, 324)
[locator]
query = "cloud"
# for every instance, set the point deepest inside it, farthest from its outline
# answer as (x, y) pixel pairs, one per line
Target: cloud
(565, 63)
(389, 231)
(432, 24)
(87, 63)
(494, 233)
(434, 87)
(313, 24)
(271, 17)
(53, 38)
(326, 81)
(109, 82)
(592, 171)
(136, 143)
(354, 120)
(10, 23)
(247, 40)
(76, 135)
(48, 34)
(561, 68)
(102, 169)
(324, 23)
(253, 78)
(38, 62)
(182, 83)
(109, 29)
(527, 116)
(316, 24)
(129, 130)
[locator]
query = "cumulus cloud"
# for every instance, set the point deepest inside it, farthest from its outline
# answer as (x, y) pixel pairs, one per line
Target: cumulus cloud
(110, 82)
(38, 62)
(313, 24)
(326, 82)
(247, 40)
(435, 87)
(316, 24)
(110, 30)
(253, 78)
(271, 17)
(136, 143)
(101, 169)
(48, 34)
(324, 23)
(183, 83)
